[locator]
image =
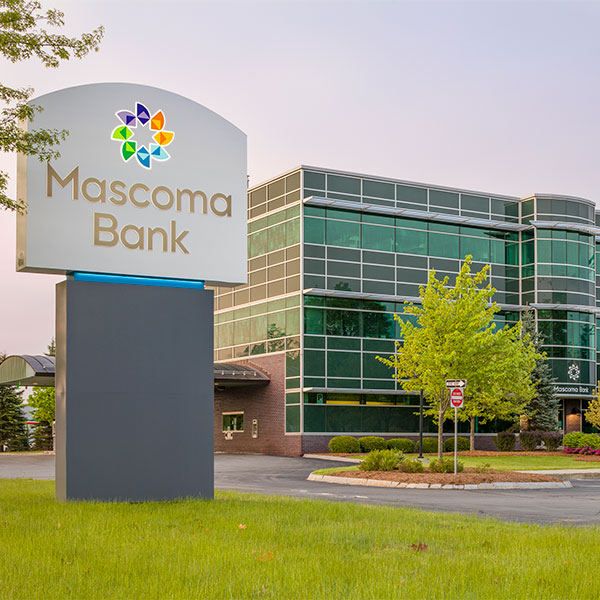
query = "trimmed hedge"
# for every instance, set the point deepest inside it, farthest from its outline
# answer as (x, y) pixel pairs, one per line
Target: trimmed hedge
(402, 444)
(344, 444)
(505, 441)
(530, 440)
(430, 445)
(552, 440)
(463, 445)
(411, 465)
(577, 439)
(372, 442)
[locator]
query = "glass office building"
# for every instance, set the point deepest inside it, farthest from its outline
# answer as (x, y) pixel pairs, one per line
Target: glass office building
(333, 255)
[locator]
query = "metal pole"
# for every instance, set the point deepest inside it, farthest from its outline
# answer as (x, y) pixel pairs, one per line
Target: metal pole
(421, 425)
(455, 437)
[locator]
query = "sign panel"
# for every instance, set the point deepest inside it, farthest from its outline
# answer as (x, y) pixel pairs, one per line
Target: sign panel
(456, 383)
(456, 397)
(148, 183)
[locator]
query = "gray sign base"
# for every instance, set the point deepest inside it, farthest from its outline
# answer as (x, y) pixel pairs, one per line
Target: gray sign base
(134, 392)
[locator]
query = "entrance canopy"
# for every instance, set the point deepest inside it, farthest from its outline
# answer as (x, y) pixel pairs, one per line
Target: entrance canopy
(39, 371)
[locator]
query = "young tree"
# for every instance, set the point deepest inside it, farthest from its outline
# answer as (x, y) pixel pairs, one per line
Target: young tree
(542, 410)
(453, 337)
(592, 413)
(23, 36)
(51, 347)
(13, 423)
(42, 402)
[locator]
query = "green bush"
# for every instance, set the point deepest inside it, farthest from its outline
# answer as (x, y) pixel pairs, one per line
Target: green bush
(530, 440)
(463, 444)
(401, 444)
(372, 442)
(412, 465)
(430, 445)
(381, 460)
(445, 465)
(505, 441)
(552, 440)
(344, 444)
(577, 439)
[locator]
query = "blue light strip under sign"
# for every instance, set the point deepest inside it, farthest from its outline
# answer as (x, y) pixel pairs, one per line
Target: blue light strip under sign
(131, 280)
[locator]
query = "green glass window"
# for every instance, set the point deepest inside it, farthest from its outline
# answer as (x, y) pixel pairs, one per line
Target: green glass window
(479, 248)
(342, 322)
(497, 251)
(314, 231)
(406, 193)
(233, 422)
(527, 253)
(544, 251)
(378, 189)
(345, 185)
(411, 242)
(292, 232)
(445, 199)
(314, 363)
(292, 364)
(378, 325)
(378, 238)
(343, 364)
(276, 237)
(374, 368)
(292, 418)
(292, 322)
(314, 321)
(314, 180)
(572, 253)
(446, 246)
(340, 233)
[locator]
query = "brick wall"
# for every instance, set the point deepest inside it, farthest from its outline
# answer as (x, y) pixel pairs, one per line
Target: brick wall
(265, 403)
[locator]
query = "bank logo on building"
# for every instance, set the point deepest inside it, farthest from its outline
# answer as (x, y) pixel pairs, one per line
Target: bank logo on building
(573, 372)
(145, 152)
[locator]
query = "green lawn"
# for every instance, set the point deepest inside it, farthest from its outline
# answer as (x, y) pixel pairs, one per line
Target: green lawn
(296, 549)
(522, 463)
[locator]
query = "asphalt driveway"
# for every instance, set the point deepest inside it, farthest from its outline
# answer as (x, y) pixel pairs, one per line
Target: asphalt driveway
(579, 505)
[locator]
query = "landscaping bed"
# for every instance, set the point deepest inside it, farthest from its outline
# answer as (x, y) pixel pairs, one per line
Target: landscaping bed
(468, 476)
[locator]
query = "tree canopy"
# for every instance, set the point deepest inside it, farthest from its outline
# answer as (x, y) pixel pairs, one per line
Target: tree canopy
(23, 35)
(451, 335)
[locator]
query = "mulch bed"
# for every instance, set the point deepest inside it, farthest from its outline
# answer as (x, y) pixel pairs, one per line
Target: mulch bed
(467, 476)
(484, 453)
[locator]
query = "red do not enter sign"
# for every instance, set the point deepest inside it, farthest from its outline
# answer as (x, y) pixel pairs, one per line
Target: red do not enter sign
(456, 397)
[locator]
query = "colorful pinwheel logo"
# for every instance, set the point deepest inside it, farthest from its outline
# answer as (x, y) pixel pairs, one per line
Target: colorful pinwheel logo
(129, 147)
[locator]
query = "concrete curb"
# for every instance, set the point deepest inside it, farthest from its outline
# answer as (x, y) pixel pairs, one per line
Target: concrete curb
(500, 485)
(333, 458)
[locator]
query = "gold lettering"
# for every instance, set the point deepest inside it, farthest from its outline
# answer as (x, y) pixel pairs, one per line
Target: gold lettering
(192, 199)
(176, 241)
(139, 244)
(73, 177)
(163, 233)
(226, 212)
(156, 191)
(114, 188)
(110, 229)
(133, 189)
(101, 189)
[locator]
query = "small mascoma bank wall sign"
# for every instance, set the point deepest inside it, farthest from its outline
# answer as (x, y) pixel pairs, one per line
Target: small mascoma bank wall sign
(148, 183)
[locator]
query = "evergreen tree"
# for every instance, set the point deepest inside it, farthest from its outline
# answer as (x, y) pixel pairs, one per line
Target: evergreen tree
(13, 423)
(542, 411)
(43, 403)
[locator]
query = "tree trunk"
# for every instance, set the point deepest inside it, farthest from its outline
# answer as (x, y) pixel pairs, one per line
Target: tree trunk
(472, 435)
(441, 433)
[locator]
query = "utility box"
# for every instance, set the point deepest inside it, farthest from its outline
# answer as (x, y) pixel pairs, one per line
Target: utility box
(254, 428)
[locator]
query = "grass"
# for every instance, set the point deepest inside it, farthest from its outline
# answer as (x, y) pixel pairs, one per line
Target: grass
(514, 462)
(288, 548)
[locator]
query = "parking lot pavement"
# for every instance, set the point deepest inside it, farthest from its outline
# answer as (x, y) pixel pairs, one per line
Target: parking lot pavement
(578, 505)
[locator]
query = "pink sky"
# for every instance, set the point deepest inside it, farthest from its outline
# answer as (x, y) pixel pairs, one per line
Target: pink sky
(497, 96)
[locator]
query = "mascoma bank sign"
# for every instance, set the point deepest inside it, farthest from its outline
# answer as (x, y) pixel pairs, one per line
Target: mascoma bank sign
(147, 183)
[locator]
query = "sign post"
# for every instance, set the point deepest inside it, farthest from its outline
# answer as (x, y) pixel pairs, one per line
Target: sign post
(456, 388)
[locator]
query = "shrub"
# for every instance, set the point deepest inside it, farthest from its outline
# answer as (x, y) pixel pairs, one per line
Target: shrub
(403, 445)
(529, 440)
(483, 468)
(505, 441)
(463, 444)
(430, 445)
(344, 444)
(381, 460)
(372, 442)
(577, 439)
(445, 465)
(412, 465)
(552, 440)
